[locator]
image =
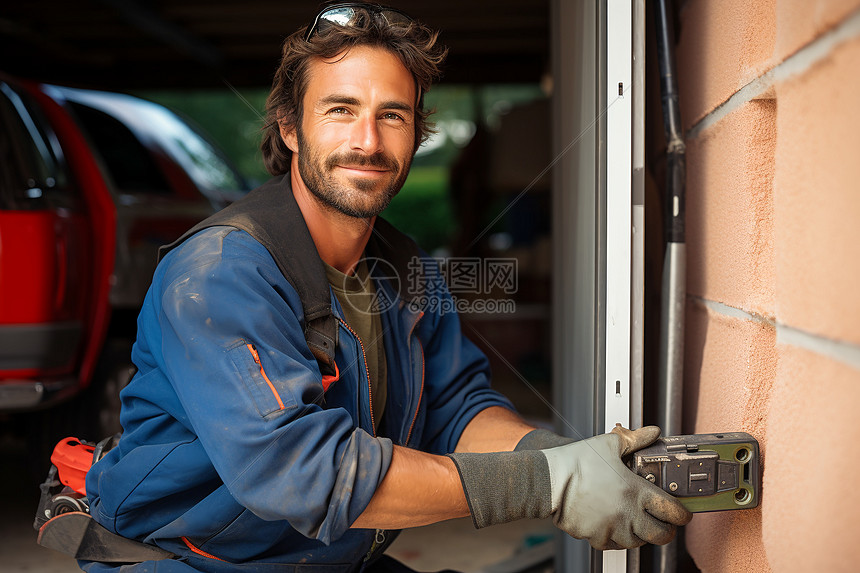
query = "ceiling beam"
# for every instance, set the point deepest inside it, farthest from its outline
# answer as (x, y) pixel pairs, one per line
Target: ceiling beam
(147, 21)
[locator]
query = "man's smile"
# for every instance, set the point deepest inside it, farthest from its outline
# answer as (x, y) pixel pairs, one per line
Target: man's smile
(364, 170)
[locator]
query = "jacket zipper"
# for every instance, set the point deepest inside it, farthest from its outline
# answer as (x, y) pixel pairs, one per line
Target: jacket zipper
(421, 392)
(256, 357)
(367, 372)
(378, 541)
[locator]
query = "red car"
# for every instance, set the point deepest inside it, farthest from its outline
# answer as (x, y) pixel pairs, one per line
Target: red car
(91, 183)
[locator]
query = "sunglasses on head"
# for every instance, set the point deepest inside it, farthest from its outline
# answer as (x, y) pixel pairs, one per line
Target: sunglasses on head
(348, 13)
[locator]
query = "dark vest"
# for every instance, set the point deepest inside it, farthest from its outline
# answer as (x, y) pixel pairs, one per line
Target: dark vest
(271, 215)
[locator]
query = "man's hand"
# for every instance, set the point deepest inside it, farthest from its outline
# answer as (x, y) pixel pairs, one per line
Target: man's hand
(596, 497)
(584, 486)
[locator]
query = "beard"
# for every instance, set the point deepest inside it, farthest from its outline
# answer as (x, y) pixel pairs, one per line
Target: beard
(358, 197)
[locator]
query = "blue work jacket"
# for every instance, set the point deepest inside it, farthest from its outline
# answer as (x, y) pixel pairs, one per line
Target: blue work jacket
(237, 454)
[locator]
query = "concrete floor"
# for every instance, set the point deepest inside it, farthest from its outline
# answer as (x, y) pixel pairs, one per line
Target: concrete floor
(453, 544)
(18, 548)
(457, 545)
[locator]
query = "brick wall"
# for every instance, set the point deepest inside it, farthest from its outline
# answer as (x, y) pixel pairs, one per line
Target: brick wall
(770, 97)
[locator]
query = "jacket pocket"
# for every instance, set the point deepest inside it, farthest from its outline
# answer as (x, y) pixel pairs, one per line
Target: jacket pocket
(239, 545)
(265, 393)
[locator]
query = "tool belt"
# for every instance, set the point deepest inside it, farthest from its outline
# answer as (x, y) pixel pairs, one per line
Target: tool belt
(63, 518)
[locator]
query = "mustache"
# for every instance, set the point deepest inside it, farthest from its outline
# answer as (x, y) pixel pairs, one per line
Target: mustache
(378, 160)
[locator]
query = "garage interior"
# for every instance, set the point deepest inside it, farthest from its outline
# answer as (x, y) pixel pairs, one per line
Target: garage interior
(187, 47)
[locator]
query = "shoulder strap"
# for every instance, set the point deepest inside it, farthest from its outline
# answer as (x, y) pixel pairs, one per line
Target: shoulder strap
(270, 214)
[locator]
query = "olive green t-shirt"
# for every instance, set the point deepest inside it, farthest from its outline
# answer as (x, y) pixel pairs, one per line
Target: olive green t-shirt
(357, 297)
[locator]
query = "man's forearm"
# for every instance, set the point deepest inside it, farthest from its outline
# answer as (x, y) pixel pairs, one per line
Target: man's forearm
(419, 489)
(495, 429)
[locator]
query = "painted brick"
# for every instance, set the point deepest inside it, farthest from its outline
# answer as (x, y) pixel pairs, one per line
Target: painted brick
(810, 498)
(722, 46)
(798, 22)
(730, 209)
(817, 198)
(730, 365)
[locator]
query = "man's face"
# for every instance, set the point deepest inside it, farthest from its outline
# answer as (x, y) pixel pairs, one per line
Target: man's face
(354, 142)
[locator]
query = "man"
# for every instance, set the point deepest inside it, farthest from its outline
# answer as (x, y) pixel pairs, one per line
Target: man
(271, 427)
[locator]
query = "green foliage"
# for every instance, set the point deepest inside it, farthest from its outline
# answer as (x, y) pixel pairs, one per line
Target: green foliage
(232, 120)
(422, 209)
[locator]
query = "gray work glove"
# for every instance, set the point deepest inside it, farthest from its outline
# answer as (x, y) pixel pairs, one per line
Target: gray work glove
(541, 439)
(584, 486)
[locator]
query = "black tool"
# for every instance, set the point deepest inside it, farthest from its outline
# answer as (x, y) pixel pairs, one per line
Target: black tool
(706, 472)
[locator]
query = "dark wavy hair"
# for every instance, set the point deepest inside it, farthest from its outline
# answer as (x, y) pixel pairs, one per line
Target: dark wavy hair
(415, 45)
